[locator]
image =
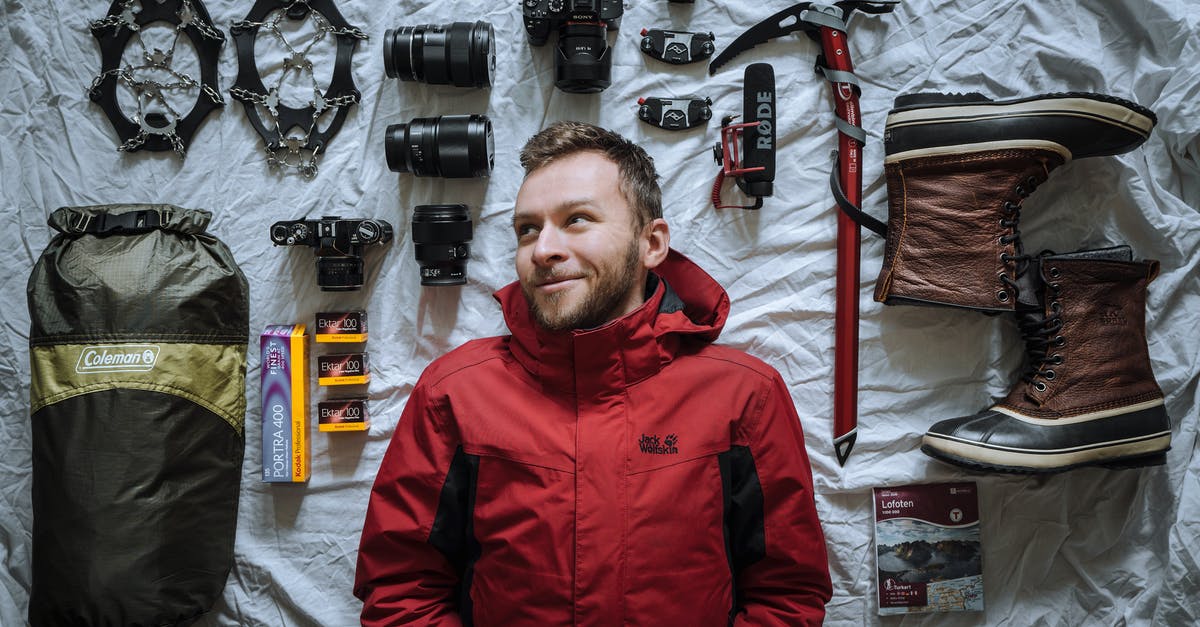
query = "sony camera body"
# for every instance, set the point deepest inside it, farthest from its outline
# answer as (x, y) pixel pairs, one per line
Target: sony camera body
(338, 244)
(584, 60)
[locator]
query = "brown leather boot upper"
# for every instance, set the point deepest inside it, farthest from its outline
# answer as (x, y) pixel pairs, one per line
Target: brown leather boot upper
(1097, 359)
(952, 223)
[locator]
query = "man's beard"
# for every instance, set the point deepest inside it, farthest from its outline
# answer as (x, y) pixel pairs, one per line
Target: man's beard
(600, 305)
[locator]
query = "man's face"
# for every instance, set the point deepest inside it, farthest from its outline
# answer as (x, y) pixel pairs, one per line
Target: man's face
(579, 257)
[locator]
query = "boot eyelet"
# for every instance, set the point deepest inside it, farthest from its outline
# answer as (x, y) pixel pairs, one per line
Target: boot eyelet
(1031, 183)
(1002, 296)
(1060, 340)
(1010, 206)
(1004, 258)
(1054, 273)
(1055, 308)
(1039, 386)
(1056, 359)
(1049, 374)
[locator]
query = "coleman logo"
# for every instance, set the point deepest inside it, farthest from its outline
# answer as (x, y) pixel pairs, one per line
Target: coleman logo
(651, 445)
(117, 358)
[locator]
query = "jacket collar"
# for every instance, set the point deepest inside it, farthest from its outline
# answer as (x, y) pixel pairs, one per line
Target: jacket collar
(685, 306)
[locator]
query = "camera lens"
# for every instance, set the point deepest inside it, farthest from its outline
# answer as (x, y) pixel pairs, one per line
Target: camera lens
(460, 54)
(450, 146)
(583, 64)
(339, 274)
(440, 236)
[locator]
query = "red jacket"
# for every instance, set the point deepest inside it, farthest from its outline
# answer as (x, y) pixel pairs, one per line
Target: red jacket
(633, 474)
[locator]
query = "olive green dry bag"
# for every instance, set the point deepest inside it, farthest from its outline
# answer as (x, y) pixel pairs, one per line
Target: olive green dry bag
(138, 338)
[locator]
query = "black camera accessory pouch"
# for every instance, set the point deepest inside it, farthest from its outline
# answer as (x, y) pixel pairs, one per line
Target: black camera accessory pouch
(138, 339)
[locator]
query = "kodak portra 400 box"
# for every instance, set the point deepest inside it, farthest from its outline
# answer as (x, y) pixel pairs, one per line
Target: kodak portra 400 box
(284, 404)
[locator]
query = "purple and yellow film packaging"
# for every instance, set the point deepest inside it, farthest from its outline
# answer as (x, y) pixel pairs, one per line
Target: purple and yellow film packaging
(285, 445)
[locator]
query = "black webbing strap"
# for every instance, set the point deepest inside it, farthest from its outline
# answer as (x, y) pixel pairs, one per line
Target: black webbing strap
(129, 222)
(863, 218)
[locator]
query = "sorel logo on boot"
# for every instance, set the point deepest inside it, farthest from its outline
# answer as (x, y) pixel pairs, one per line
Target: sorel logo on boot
(117, 358)
(1112, 315)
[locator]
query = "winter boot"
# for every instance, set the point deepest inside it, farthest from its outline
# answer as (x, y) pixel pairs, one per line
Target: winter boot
(1087, 395)
(958, 167)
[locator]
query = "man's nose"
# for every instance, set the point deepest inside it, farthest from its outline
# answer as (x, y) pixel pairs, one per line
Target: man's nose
(550, 246)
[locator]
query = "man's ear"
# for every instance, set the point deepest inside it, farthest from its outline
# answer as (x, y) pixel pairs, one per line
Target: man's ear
(655, 243)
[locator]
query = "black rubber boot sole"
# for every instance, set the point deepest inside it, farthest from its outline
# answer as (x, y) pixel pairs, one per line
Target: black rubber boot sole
(1122, 463)
(1001, 440)
(1075, 124)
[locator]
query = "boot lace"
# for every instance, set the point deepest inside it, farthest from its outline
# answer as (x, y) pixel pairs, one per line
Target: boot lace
(1040, 332)
(1020, 261)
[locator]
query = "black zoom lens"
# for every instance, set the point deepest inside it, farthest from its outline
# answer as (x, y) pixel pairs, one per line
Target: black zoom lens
(584, 64)
(440, 236)
(450, 146)
(460, 54)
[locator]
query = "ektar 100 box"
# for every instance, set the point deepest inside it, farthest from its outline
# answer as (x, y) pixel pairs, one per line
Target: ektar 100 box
(285, 442)
(343, 414)
(341, 327)
(343, 369)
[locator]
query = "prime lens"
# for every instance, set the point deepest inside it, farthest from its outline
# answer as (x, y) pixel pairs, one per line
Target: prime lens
(441, 236)
(584, 62)
(339, 274)
(449, 146)
(460, 54)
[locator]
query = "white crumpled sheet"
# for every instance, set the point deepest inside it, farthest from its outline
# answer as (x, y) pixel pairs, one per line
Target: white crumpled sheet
(1088, 547)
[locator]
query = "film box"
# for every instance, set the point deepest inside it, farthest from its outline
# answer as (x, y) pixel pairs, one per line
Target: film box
(341, 327)
(343, 414)
(285, 445)
(927, 548)
(343, 369)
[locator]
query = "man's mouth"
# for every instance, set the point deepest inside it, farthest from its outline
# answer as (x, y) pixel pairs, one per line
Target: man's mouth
(554, 279)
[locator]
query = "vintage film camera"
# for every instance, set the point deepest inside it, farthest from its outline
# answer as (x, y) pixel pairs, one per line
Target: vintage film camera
(338, 244)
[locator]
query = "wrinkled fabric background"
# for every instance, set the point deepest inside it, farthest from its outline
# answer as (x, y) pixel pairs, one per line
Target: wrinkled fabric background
(1088, 547)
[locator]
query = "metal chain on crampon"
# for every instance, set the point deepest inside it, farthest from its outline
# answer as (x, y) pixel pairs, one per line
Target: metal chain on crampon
(291, 134)
(144, 80)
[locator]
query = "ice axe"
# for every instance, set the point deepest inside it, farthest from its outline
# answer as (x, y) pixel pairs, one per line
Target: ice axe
(826, 24)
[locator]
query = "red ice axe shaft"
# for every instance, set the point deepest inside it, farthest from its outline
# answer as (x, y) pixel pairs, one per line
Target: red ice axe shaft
(845, 342)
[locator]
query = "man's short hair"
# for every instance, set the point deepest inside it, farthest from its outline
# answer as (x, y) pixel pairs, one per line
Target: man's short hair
(638, 179)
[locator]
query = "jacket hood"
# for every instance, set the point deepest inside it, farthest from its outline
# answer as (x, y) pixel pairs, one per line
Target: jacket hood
(686, 307)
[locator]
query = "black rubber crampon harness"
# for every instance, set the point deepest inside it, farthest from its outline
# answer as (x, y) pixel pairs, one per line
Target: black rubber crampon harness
(285, 148)
(156, 125)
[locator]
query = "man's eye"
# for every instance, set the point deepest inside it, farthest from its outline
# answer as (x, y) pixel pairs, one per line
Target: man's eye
(577, 219)
(525, 229)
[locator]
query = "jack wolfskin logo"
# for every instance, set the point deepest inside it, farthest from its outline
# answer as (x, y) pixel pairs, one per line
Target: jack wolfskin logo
(1112, 315)
(117, 358)
(651, 445)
